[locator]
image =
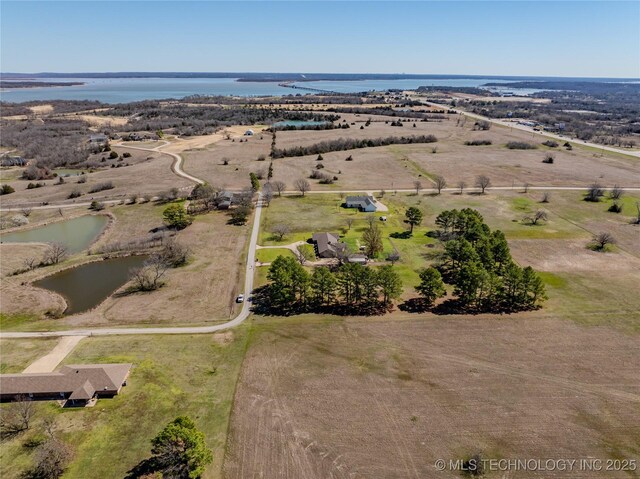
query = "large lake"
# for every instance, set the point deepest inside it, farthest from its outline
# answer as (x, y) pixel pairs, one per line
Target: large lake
(124, 90)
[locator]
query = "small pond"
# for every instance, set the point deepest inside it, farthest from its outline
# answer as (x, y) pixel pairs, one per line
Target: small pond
(76, 234)
(88, 285)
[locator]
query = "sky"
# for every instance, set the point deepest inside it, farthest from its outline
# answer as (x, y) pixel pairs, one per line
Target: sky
(542, 38)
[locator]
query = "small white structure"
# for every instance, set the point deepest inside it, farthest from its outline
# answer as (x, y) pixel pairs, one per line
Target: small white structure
(248, 133)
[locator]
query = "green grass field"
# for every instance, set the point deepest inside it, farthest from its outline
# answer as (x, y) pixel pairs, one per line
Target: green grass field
(268, 255)
(171, 376)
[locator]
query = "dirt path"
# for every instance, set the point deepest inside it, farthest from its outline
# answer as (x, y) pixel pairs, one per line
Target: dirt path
(48, 362)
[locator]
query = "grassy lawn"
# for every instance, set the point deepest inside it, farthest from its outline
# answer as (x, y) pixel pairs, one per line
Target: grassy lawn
(268, 255)
(171, 376)
(17, 354)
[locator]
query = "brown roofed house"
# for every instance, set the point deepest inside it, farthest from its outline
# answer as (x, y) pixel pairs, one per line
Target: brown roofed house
(77, 383)
(328, 245)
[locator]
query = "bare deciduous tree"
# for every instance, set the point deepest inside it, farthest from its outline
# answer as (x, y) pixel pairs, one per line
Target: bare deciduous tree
(26, 211)
(461, 186)
(52, 459)
(615, 193)
(371, 220)
(281, 230)
(381, 194)
(394, 257)
(601, 240)
(349, 222)
(16, 417)
(540, 215)
(418, 186)
(29, 263)
(595, 192)
(302, 185)
(149, 276)
(441, 183)
(267, 194)
(55, 253)
(546, 197)
(279, 186)
(483, 182)
(526, 187)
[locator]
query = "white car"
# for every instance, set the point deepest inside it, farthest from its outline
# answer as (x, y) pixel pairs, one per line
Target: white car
(240, 298)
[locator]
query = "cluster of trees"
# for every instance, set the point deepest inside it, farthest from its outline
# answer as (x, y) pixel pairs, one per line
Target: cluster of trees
(478, 263)
(52, 143)
(350, 287)
(341, 144)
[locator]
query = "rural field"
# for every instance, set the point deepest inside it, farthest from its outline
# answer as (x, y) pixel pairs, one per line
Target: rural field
(329, 397)
(317, 396)
(399, 166)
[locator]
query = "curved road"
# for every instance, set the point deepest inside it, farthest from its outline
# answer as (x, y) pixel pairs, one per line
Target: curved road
(248, 286)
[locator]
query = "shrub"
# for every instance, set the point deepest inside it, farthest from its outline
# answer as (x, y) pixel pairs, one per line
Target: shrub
(477, 142)
(615, 207)
(31, 186)
(75, 193)
(551, 144)
(520, 145)
(126, 154)
(113, 155)
(549, 159)
(96, 205)
(482, 125)
(107, 185)
(82, 179)
(6, 189)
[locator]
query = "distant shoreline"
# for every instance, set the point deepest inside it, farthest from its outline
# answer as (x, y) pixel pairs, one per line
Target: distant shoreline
(297, 76)
(13, 85)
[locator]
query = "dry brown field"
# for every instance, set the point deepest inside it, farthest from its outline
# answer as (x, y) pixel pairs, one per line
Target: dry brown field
(148, 173)
(386, 398)
(399, 166)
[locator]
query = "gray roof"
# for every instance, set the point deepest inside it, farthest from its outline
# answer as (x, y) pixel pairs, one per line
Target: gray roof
(327, 241)
(70, 379)
(361, 200)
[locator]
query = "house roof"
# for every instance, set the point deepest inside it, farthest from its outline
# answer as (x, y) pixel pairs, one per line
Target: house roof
(70, 379)
(361, 200)
(86, 391)
(327, 241)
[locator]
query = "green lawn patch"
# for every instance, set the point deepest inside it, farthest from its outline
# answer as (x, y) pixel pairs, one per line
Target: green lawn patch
(270, 254)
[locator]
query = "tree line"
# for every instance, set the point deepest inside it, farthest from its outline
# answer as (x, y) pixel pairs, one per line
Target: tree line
(342, 144)
(349, 288)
